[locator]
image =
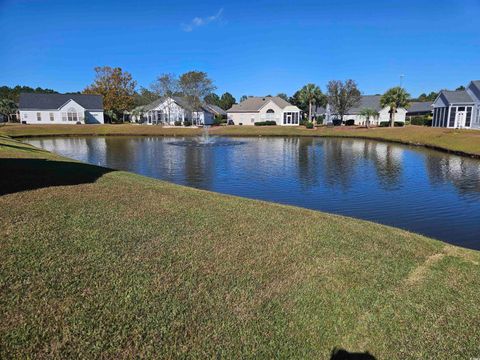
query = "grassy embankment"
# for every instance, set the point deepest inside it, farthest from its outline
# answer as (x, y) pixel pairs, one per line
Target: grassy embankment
(96, 262)
(466, 142)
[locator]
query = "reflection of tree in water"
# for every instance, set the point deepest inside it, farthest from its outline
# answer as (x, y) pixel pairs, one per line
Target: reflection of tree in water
(463, 173)
(387, 160)
(309, 162)
(341, 161)
(119, 152)
(199, 166)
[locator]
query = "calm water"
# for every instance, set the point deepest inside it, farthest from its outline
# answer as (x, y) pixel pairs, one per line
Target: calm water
(424, 191)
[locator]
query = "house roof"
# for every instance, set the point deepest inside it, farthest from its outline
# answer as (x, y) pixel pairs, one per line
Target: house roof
(216, 109)
(255, 103)
(420, 106)
(458, 96)
(179, 101)
(55, 101)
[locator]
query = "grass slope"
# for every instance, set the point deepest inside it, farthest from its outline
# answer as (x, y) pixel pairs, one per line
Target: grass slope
(466, 142)
(108, 263)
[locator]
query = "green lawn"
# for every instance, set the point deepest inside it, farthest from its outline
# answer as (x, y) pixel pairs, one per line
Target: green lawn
(102, 263)
(466, 142)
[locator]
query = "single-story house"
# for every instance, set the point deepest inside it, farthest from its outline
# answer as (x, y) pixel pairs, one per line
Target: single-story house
(458, 109)
(420, 108)
(269, 108)
(366, 101)
(60, 108)
(217, 110)
(168, 110)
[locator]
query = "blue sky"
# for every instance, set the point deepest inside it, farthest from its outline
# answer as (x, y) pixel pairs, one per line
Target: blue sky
(252, 48)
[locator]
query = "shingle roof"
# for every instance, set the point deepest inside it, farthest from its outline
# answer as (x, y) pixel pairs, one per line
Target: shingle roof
(366, 101)
(216, 109)
(255, 103)
(420, 106)
(55, 101)
(178, 100)
(458, 96)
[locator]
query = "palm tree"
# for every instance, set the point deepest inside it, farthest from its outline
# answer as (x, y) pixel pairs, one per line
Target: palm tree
(311, 94)
(395, 98)
(368, 113)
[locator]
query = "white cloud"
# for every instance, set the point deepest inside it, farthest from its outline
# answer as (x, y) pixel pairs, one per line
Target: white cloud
(199, 21)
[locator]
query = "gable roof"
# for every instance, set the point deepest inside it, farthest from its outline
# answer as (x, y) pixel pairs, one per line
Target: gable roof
(180, 101)
(216, 109)
(255, 103)
(458, 96)
(420, 106)
(55, 101)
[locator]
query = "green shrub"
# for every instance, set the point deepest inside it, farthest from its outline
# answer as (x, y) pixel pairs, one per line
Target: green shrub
(387, 124)
(177, 123)
(187, 123)
(420, 120)
(320, 119)
(350, 122)
(309, 125)
(265, 123)
(336, 122)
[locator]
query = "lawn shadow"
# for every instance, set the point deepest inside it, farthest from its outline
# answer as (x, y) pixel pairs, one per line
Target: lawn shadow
(342, 354)
(29, 174)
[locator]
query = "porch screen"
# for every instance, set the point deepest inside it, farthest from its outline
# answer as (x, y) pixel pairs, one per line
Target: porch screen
(468, 119)
(453, 113)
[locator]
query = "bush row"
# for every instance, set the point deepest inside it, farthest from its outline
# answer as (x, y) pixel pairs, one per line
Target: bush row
(387, 123)
(265, 123)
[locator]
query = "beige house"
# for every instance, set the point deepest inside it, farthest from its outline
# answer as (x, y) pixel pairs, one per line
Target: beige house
(269, 108)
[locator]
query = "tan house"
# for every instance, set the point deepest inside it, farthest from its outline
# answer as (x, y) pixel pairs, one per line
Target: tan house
(259, 109)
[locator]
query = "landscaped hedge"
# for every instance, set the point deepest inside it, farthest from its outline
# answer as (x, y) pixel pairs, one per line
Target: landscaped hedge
(350, 122)
(421, 120)
(187, 123)
(387, 124)
(309, 125)
(265, 123)
(337, 122)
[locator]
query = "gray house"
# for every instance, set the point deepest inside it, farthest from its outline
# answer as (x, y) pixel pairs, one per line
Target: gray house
(60, 109)
(458, 109)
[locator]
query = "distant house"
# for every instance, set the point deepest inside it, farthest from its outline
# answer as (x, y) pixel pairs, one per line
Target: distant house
(217, 110)
(458, 109)
(420, 108)
(366, 101)
(60, 109)
(269, 108)
(167, 111)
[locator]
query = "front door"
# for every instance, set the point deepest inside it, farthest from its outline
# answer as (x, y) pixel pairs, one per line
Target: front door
(461, 117)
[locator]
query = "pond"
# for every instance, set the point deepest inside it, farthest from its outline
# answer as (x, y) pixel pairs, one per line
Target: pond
(421, 190)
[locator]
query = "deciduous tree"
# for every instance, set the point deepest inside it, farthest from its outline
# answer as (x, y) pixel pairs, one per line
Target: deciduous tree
(116, 86)
(8, 108)
(342, 96)
(195, 86)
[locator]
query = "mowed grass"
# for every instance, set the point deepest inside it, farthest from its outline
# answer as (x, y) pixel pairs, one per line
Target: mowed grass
(101, 263)
(466, 142)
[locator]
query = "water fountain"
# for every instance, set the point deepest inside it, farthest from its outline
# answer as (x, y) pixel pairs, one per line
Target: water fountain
(205, 140)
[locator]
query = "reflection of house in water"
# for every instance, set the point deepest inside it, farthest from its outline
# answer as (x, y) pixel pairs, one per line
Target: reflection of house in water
(463, 173)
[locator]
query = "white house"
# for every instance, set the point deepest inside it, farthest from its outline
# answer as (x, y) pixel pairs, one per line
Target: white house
(60, 109)
(167, 111)
(269, 108)
(366, 101)
(458, 109)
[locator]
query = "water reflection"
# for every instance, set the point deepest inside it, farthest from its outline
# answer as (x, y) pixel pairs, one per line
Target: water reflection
(417, 189)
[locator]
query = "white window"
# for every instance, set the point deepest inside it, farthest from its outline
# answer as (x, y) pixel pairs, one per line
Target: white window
(64, 116)
(25, 115)
(52, 117)
(39, 116)
(72, 115)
